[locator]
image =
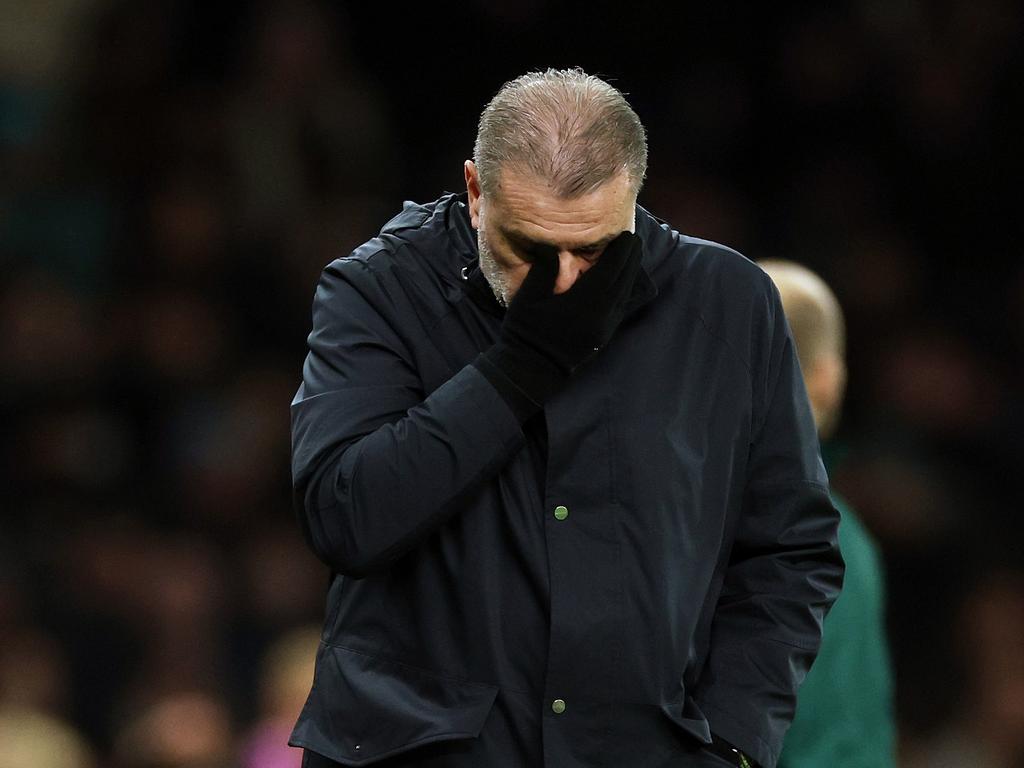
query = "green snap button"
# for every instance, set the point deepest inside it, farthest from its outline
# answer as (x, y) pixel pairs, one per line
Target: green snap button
(558, 706)
(560, 514)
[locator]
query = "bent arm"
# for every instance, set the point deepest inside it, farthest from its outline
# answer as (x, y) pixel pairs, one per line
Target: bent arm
(377, 464)
(784, 571)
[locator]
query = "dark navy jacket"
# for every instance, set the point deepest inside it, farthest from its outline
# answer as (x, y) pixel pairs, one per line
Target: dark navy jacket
(653, 567)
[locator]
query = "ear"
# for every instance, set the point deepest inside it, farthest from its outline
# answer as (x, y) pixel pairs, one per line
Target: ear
(826, 386)
(473, 188)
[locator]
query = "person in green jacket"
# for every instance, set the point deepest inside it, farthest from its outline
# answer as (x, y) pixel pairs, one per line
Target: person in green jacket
(844, 716)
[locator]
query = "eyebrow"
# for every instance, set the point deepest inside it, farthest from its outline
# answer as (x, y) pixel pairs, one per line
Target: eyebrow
(526, 243)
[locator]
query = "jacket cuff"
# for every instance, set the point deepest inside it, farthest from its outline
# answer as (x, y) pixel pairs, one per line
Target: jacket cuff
(534, 383)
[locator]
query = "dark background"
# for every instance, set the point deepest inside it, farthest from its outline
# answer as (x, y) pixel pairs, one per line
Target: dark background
(174, 175)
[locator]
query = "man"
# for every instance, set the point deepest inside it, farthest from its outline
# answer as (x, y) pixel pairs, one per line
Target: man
(559, 459)
(844, 712)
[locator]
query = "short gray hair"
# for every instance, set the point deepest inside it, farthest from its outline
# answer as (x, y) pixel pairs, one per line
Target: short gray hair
(572, 129)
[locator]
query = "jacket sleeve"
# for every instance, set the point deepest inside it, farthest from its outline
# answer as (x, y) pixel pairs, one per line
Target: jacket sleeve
(784, 569)
(377, 463)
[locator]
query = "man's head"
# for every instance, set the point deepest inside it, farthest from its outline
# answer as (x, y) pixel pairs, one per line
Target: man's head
(820, 335)
(559, 159)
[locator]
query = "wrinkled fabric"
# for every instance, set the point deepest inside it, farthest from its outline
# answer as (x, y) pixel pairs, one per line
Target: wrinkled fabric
(682, 593)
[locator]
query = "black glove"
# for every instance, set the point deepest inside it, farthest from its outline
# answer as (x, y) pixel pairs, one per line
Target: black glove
(545, 336)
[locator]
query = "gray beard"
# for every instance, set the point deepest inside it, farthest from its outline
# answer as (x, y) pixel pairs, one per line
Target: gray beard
(489, 267)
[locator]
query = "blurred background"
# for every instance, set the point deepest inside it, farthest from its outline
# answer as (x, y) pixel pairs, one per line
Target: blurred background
(174, 175)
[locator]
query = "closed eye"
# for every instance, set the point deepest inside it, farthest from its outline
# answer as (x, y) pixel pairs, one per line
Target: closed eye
(530, 250)
(590, 254)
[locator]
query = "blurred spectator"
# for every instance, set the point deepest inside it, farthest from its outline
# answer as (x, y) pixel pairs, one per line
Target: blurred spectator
(285, 676)
(184, 730)
(987, 730)
(49, 336)
(227, 451)
(30, 739)
(33, 672)
(305, 125)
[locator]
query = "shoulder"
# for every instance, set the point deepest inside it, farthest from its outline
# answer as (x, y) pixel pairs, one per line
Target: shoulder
(423, 247)
(713, 283)
(418, 226)
(704, 271)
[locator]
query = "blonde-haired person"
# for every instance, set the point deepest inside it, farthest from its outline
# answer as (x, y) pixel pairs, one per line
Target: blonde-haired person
(844, 716)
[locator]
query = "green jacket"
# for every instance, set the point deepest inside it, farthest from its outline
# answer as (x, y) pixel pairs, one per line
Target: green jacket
(844, 713)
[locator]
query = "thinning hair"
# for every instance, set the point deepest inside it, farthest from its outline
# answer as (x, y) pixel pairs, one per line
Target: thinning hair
(812, 311)
(571, 129)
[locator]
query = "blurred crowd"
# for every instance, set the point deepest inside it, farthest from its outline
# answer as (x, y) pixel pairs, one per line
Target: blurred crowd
(174, 175)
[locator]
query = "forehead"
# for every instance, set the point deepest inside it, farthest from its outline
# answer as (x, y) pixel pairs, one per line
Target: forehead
(528, 206)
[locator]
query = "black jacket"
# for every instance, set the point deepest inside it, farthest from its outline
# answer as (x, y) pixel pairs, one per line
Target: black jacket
(648, 559)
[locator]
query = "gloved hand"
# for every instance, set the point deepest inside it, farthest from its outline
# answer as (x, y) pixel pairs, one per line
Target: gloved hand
(545, 336)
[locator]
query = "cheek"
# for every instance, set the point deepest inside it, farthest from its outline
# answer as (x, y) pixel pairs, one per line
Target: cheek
(514, 277)
(512, 268)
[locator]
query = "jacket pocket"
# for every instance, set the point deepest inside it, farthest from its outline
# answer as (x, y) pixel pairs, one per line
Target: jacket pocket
(362, 708)
(687, 716)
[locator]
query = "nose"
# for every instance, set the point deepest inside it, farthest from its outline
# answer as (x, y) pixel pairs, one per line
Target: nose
(570, 267)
